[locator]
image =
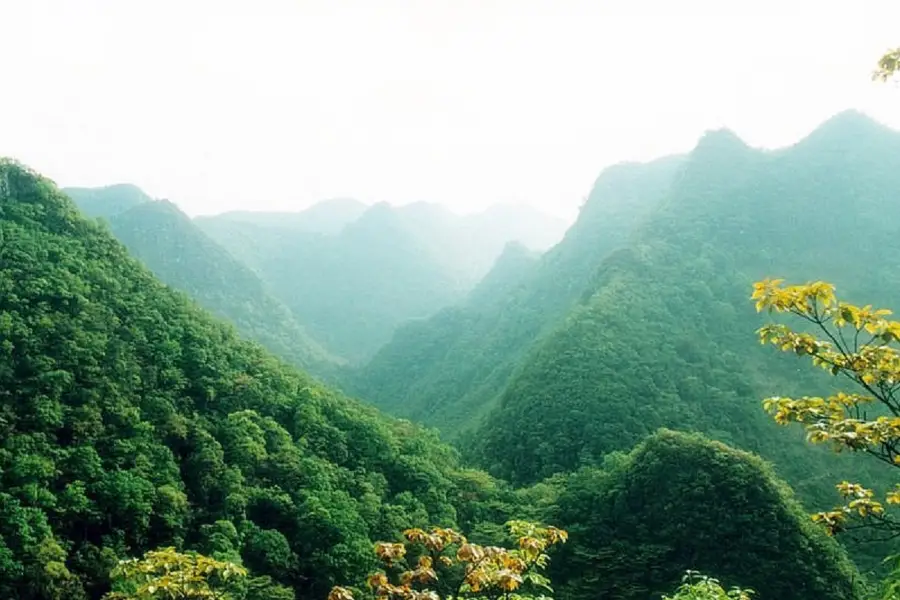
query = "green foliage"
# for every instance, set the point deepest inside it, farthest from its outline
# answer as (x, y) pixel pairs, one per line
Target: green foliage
(182, 256)
(107, 201)
(680, 502)
(353, 276)
(664, 339)
(448, 371)
(697, 586)
(888, 65)
(166, 574)
(351, 289)
(131, 420)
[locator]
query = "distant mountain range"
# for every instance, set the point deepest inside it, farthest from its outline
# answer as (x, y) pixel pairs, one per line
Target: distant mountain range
(322, 286)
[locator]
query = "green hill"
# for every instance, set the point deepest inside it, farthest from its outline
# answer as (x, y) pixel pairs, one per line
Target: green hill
(351, 290)
(666, 339)
(326, 217)
(353, 286)
(107, 201)
(182, 256)
(130, 419)
(679, 502)
(448, 370)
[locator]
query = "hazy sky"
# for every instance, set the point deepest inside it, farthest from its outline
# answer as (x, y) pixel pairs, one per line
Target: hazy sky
(220, 104)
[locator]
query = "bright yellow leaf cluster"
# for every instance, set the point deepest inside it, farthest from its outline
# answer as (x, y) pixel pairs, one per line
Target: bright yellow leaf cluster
(449, 566)
(855, 342)
(167, 573)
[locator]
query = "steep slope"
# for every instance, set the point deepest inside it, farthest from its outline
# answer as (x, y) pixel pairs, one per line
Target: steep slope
(107, 201)
(181, 255)
(512, 266)
(468, 245)
(679, 502)
(446, 371)
(667, 337)
(351, 289)
(392, 264)
(130, 419)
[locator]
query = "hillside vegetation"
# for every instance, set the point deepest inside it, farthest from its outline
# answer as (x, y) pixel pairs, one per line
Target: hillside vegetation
(130, 419)
(449, 369)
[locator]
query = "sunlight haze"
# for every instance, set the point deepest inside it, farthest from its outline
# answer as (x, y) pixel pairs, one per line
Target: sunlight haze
(274, 105)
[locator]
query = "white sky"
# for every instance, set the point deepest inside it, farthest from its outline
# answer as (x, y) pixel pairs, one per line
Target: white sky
(271, 104)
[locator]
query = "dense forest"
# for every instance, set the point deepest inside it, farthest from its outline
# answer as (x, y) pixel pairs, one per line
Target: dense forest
(353, 276)
(132, 419)
(182, 256)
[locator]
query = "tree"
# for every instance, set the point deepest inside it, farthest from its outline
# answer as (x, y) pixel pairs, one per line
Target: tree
(888, 65)
(858, 344)
(171, 575)
(443, 565)
(696, 586)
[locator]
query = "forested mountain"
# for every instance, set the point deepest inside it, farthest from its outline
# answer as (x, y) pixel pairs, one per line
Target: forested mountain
(107, 201)
(666, 338)
(679, 499)
(181, 255)
(449, 369)
(129, 419)
(648, 323)
(353, 289)
(328, 216)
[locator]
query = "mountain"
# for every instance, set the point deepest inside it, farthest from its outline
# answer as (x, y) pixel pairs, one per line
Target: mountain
(328, 217)
(131, 419)
(666, 338)
(351, 289)
(181, 255)
(468, 245)
(107, 201)
(390, 265)
(679, 502)
(507, 273)
(448, 370)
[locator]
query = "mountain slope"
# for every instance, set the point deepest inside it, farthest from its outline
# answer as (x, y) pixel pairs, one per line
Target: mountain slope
(679, 502)
(391, 264)
(351, 289)
(181, 255)
(667, 337)
(327, 217)
(448, 370)
(107, 201)
(130, 419)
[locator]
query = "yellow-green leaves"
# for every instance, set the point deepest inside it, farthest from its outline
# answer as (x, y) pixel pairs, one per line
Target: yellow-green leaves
(854, 341)
(169, 574)
(449, 566)
(888, 65)
(771, 295)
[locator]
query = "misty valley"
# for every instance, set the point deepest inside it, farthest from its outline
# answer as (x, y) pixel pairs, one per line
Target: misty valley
(409, 403)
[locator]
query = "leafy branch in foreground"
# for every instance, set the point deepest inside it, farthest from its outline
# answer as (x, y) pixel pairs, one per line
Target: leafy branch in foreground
(888, 65)
(171, 575)
(860, 345)
(443, 565)
(696, 586)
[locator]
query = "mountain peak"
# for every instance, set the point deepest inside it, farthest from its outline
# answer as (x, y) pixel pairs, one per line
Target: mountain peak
(720, 140)
(846, 127)
(107, 201)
